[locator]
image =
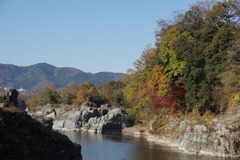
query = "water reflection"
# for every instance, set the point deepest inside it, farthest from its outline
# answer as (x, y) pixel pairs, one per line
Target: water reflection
(117, 147)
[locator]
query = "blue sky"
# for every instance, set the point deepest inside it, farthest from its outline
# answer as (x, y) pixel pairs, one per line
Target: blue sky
(91, 35)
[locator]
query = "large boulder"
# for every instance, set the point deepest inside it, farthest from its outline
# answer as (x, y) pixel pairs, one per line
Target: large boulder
(113, 121)
(75, 118)
(8, 97)
(68, 120)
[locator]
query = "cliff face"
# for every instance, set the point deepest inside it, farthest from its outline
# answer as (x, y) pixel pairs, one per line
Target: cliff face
(219, 137)
(24, 138)
(218, 140)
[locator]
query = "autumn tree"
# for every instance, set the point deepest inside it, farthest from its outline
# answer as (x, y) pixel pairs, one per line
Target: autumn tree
(48, 95)
(228, 94)
(112, 93)
(87, 92)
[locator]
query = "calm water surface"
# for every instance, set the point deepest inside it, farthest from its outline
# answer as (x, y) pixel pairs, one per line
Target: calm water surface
(118, 147)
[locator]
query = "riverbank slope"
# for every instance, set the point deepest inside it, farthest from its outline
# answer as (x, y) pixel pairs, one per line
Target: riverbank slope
(214, 136)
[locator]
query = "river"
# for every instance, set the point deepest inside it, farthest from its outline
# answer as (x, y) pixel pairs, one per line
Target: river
(118, 147)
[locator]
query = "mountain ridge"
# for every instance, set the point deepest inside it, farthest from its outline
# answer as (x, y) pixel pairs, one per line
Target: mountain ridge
(36, 76)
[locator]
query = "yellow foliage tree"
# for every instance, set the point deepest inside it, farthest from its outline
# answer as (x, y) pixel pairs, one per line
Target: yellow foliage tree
(159, 83)
(86, 93)
(173, 66)
(69, 94)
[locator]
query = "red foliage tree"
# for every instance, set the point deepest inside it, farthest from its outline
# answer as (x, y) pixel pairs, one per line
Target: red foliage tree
(172, 100)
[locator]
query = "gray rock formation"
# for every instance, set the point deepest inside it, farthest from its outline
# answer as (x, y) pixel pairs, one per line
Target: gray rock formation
(113, 121)
(68, 120)
(218, 138)
(8, 97)
(85, 118)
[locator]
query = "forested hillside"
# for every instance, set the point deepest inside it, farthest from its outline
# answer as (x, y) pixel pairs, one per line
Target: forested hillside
(35, 77)
(195, 63)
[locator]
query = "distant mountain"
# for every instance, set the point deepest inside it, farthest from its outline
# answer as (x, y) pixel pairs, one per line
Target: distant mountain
(35, 77)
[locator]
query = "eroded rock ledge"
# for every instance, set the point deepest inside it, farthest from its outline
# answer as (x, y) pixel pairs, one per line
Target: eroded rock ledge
(85, 118)
(219, 140)
(220, 137)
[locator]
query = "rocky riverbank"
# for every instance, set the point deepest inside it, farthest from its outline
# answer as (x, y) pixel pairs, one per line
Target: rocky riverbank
(217, 136)
(220, 137)
(22, 137)
(84, 118)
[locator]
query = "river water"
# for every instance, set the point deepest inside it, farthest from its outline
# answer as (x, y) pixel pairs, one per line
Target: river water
(118, 147)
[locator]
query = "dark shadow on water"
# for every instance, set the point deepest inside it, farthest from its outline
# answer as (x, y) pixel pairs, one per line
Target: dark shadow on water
(118, 147)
